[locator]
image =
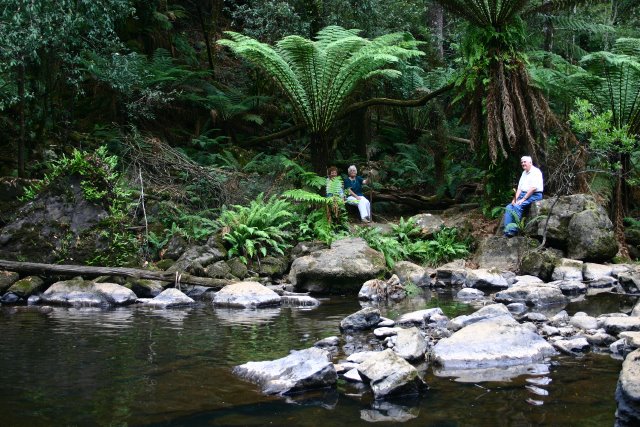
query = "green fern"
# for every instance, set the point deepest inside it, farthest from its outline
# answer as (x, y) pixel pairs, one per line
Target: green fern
(254, 231)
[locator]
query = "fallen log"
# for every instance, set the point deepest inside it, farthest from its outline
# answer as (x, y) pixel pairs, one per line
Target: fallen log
(414, 200)
(90, 271)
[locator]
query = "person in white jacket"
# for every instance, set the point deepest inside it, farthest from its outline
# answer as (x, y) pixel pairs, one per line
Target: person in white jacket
(530, 188)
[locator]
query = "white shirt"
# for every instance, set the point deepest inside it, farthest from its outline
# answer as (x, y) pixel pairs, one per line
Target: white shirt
(533, 178)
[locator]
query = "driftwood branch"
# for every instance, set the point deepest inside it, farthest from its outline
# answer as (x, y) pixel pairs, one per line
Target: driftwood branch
(89, 271)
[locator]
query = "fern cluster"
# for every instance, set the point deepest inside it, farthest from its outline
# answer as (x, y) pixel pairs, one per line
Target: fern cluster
(405, 243)
(253, 231)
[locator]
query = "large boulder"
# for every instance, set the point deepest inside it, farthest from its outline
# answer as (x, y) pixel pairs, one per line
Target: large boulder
(84, 292)
(495, 342)
(628, 391)
(56, 226)
(342, 268)
(502, 253)
(246, 295)
(577, 224)
(301, 370)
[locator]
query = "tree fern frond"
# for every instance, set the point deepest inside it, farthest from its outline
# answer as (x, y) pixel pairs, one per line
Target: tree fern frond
(573, 23)
(307, 197)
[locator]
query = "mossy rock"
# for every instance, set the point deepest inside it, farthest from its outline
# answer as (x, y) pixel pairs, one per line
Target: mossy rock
(540, 263)
(27, 286)
(273, 267)
(7, 278)
(165, 264)
(238, 268)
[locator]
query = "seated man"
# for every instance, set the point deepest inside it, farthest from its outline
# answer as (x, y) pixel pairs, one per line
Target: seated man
(353, 187)
(529, 190)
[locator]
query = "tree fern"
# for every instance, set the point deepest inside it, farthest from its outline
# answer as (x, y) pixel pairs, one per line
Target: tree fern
(319, 76)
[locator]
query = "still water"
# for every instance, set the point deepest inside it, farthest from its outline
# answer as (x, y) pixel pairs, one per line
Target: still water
(137, 366)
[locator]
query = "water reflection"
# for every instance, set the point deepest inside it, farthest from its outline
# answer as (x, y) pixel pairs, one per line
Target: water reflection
(389, 412)
(502, 374)
(239, 316)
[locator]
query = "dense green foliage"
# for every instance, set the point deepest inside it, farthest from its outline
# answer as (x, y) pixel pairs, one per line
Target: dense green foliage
(209, 104)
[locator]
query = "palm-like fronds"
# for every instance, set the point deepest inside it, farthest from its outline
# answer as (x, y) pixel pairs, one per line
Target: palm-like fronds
(318, 76)
(484, 13)
(611, 81)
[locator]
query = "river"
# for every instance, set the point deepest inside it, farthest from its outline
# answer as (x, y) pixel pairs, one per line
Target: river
(137, 366)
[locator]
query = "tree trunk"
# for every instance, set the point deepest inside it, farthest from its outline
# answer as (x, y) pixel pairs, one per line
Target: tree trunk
(436, 16)
(22, 143)
(205, 35)
(87, 271)
(319, 153)
(362, 131)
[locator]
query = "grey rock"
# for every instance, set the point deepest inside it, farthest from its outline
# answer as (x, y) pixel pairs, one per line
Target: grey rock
(496, 342)
(420, 318)
(572, 346)
(505, 254)
(487, 312)
(301, 370)
(383, 411)
(572, 287)
(81, 292)
(532, 295)
(568, 269)
(168, 298)
(332, 341)
(615, 325)
(336, 270)
(409, 272)
(367, 318)
(593, 271)
(246, 295)
(410, 344)
(469, 294)
(25, 287)
(486, 279)
(628, 391)
(390, 375)
(429, 224)
(583, 321)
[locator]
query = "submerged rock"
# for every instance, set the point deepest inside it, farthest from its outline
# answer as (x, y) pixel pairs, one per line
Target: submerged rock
(301, 370)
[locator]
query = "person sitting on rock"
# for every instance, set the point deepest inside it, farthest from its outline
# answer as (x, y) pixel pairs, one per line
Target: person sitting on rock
(529, 190)
(353, 186)
(335, 185)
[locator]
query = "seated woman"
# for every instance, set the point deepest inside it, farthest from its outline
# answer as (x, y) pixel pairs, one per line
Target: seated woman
(335, 186)
(353, 187)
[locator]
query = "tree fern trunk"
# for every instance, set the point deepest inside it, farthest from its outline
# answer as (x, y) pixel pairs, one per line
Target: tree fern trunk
(319, 153)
